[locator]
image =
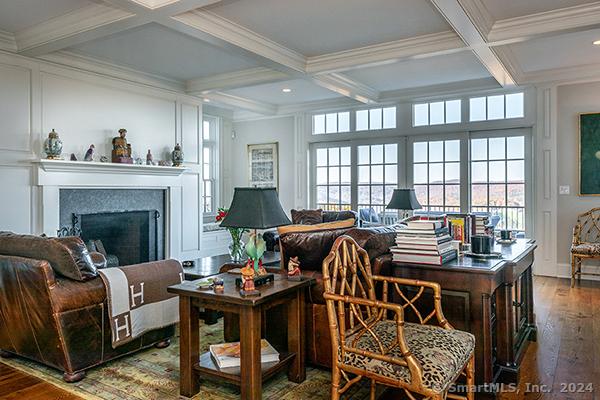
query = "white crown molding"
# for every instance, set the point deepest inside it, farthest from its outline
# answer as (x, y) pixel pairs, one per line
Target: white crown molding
(347, 87)
(92, 64)
(84, 19)
(566, 75)
(510, 62)
(241, 37)
(154, 4)
(377, 54)
(7, 41)
(528, 26)
(247, 77)
(440, 90)
(228, 100)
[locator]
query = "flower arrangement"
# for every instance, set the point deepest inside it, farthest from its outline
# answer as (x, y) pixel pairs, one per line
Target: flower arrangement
(236, 248)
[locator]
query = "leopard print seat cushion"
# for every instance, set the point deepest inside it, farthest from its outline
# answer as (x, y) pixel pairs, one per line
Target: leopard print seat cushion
(442, 353)
(588, 249)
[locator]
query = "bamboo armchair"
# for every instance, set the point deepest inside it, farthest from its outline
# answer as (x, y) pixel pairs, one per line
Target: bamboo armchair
(586, 242)
(424, 360)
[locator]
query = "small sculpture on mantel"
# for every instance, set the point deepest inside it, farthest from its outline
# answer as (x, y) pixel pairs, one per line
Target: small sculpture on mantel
(73, 157)
(121, 152)
(177, 156)
(89, 155)
(103, 159)
(149, 158)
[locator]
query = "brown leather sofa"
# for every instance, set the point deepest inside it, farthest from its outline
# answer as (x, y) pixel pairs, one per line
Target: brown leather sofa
(58, 321)
(311, 248)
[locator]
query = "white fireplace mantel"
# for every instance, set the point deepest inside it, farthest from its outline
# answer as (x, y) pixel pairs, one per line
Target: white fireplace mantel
(53, 175)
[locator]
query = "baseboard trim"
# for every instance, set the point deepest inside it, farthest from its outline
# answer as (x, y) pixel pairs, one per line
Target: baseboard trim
(564, 271)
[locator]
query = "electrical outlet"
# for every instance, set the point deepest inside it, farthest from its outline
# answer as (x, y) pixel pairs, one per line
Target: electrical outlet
(566, 189)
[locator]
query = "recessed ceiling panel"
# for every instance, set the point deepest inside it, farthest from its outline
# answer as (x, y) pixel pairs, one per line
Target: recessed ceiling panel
(16, 15)
(315, 27)
(158, 50)
(502, 9)
(572, 49)
(301, 91)
(449, 68)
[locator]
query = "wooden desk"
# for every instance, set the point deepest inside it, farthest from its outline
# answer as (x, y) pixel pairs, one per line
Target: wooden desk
(493, 299)
(250, 311)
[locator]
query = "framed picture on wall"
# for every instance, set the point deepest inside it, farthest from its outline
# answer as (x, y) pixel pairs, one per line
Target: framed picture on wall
(589, 154)
(263, 165)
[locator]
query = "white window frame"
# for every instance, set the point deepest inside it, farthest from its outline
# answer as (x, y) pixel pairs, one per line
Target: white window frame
(213, 145)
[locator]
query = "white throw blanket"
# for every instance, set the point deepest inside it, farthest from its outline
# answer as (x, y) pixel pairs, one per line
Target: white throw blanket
(138, 300)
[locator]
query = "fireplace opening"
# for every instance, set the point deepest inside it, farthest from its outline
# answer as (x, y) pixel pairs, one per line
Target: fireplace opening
(125, 237)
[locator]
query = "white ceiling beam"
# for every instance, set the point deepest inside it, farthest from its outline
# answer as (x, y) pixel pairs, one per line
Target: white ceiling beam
(7, 41)
(576, 18)
(95, 21)
(345, 86)
(213, 28)
(230, 100)
(230, 80)
(385, 53)
(475, 37)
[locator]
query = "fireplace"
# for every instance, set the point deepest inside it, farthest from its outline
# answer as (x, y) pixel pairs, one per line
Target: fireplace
(125, 224)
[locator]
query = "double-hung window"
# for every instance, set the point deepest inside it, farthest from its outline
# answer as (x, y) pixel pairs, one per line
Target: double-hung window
(210, 148)
(498, 179)
(436, 174)
(333, 178)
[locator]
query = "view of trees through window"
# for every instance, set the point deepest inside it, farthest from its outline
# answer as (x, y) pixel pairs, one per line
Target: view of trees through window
(333, 177)
(498, 179)
(436, 174)
(377, 175)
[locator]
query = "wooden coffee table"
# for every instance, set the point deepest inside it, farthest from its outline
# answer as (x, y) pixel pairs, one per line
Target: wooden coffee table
(250, 310)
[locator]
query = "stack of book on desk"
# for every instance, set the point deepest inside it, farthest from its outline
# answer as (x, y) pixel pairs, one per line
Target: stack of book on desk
(424, 242)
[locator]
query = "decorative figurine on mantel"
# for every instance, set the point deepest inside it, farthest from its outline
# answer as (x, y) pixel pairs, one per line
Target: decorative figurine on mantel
(177, 156)
(294, 272)
(53, 146)
(89, 155)
(149, 158)
(121, 152)
(73, 157)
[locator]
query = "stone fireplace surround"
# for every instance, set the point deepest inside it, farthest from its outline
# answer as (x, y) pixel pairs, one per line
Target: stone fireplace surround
(54, 176)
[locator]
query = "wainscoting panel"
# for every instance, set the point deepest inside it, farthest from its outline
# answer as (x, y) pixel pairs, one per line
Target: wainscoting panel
(16, 209)
(190, 200)
(190, 132)
(15, 108)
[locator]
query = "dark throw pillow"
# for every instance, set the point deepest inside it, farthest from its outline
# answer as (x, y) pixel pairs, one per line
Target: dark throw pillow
(307, 217)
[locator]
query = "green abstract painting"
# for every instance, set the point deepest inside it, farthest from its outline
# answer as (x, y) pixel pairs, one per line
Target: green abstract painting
(589, 154)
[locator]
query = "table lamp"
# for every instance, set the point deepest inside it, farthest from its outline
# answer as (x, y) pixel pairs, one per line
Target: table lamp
(404, 199)
(255, 208)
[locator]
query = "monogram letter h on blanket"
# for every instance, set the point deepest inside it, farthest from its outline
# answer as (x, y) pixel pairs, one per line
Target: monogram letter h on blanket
(138, 300)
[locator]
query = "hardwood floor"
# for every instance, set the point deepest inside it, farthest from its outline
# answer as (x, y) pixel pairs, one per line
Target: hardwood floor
(565, 359)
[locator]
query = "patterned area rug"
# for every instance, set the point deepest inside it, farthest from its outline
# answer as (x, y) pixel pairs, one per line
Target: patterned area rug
(153, 374)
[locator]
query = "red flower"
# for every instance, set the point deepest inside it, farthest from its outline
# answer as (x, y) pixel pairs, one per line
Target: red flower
(222, 214)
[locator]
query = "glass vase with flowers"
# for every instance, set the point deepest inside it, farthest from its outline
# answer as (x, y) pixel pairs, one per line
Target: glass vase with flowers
(236, 247)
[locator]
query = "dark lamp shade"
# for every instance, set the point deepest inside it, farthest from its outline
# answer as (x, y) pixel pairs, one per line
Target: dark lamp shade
(255, 208)
(404, 199)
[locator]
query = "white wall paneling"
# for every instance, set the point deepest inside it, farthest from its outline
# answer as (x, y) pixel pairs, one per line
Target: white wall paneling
(191, 133)
(17, 198)
(191, 228)
(15, 108)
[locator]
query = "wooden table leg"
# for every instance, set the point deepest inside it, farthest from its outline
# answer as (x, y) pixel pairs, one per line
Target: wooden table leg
(189, 347)
(296, 337)
(251, 374)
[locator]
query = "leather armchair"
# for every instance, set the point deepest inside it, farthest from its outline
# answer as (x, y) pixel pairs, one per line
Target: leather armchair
(57, 321)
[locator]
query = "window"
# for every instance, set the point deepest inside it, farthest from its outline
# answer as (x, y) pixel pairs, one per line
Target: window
(437, 113)
(331, 123)
(498, 179)
(210, 130)
(377, 175)
(436, 174)
(375, 119)
(489, 108)
(333, 178)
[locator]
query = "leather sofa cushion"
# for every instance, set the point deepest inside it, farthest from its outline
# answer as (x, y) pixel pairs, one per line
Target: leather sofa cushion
(347, 223)
(330, 216)
(375, 240)
(307, 217)
(68, 256)
(310, 247)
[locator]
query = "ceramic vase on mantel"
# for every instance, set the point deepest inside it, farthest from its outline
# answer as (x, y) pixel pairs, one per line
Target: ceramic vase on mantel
(177, 156)
(53, 146)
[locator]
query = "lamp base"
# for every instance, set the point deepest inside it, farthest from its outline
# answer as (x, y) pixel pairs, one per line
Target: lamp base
(258, 280)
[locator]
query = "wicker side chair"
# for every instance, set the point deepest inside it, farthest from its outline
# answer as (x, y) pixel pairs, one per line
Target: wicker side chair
(586, 242)
(422, 359)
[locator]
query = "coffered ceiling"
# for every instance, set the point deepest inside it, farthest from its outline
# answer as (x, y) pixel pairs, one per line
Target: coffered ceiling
(243, 53)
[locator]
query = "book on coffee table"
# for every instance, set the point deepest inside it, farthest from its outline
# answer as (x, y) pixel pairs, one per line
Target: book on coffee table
(227, 355)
